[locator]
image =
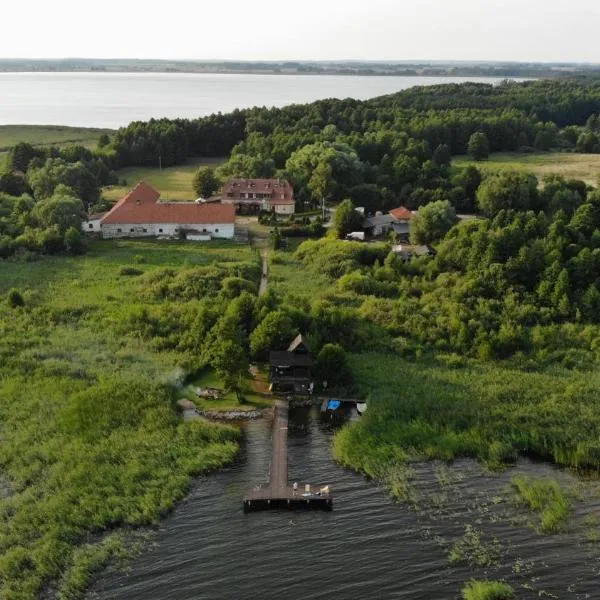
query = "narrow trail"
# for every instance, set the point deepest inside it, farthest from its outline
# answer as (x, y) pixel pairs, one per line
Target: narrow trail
(263, 277)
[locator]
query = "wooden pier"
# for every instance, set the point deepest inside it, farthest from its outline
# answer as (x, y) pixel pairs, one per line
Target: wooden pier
(279, 494)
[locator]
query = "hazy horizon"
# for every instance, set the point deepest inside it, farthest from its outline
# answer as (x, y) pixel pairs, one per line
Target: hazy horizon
(500, 31)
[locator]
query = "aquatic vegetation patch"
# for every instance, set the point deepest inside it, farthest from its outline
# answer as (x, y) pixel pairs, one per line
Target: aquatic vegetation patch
(473, 550)
(487, 590)
(545, 497)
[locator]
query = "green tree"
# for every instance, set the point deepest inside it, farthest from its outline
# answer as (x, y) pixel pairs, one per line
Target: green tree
(45, 180)
(321, 181)
(588, 143)
(332, 365)
(20, 156)
(275, 332)
(507, 189)
(61, 210)
(346, 219)
(442, 156)
(231, 364)
(432, 222)
(74, 241)
(205, 182)
(479, 146)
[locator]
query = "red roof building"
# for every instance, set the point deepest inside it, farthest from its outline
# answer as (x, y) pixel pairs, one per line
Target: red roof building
(401, 214)
(252, 195)
(141, 214)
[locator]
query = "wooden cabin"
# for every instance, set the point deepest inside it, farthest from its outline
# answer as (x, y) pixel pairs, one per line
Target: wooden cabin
(291, 369)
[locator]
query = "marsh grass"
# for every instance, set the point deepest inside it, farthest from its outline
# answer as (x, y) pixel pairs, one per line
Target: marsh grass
(91, 435)
(491, 412)
(546, 498)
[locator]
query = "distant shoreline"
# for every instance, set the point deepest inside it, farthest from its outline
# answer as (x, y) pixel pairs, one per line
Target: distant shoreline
(349, 68)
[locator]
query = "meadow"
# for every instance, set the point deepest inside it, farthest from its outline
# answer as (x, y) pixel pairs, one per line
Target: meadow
(174, 183)
(92, 437)
(47, 135)
(570, 165)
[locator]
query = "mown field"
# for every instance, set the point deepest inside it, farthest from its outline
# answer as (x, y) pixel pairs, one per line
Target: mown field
(577, 166)
(174, 183)
(92, 438)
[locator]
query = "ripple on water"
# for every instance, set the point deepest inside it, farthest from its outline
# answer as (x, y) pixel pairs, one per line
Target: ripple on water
(368, 546)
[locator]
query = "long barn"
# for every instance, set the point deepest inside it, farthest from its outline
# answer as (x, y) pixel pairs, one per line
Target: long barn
(141, 214)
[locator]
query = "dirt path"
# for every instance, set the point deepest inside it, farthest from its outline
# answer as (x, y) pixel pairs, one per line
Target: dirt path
(263, 277)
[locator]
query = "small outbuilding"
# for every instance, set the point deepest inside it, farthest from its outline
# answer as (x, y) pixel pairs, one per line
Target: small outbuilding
(291, 370)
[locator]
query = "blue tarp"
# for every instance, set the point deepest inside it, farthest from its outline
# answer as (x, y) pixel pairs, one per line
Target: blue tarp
(333, 404)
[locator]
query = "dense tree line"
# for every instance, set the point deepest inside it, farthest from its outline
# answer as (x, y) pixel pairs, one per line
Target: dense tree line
(378, 153)
(523, 279)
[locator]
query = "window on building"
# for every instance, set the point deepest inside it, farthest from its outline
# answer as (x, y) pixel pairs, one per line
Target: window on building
(118, 230)
(204, 231)
(160, 231)
(217, 230)
(145, 231)
(91, 226)
(131, 230)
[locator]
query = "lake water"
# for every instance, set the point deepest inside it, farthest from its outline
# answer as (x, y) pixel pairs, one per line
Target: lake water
(368, 546)
(115, 99)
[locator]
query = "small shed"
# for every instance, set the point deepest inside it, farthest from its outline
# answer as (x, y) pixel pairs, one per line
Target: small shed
(291, 370)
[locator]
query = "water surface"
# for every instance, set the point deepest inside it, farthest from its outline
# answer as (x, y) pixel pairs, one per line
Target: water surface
(367, 547)
(115, 99)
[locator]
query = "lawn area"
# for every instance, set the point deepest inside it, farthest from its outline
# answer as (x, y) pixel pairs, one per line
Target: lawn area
(49, 135)
(577, 166)
(209, 379)
(92, 439)
(174, 183)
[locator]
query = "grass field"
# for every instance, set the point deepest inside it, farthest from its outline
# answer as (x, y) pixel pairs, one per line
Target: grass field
(577, 166)
(91, 436)
(49, 135)
(174, 183)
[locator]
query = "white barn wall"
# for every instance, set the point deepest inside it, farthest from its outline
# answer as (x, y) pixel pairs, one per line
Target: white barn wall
(137, 230)
(92, 226)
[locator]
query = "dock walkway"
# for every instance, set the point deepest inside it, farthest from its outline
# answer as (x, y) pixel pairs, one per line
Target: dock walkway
(278, 493)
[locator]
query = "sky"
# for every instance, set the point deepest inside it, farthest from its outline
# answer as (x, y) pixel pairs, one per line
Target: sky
(514, 30)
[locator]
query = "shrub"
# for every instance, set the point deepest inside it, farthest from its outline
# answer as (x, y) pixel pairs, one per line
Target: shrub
(130, 271)
(15, 298)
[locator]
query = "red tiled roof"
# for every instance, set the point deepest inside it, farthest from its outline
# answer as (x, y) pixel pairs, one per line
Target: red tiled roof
(274, 188)
(401, 214)
(141, 206)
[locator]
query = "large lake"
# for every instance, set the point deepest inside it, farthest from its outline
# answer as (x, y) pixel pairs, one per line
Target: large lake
(115, 99)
